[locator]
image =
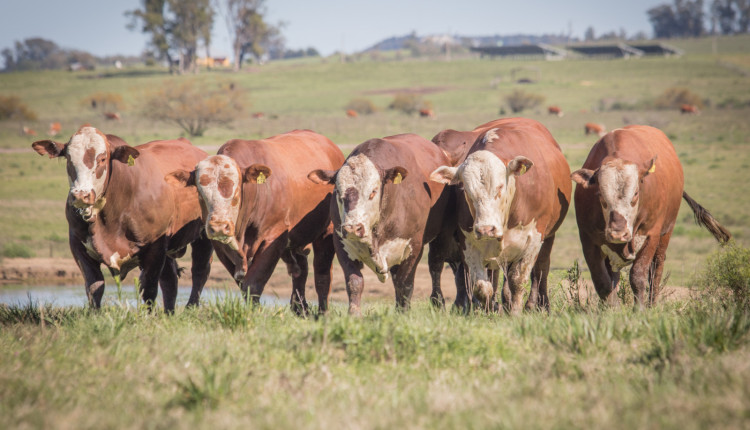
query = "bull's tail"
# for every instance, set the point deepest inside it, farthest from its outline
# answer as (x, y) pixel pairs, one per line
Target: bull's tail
(704, 218)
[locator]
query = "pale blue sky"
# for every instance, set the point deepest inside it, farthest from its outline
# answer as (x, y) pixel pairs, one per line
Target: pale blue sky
(98, 26)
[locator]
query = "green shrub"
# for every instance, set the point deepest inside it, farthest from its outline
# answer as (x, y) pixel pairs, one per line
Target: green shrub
(520, 100)
(409, 103)
(361, 106)
(726, 277)
(674, 97)
(11, 107)
(17, 250)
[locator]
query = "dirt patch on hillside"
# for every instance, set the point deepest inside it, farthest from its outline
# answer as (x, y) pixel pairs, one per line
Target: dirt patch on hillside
(407, 90)
(64, 271)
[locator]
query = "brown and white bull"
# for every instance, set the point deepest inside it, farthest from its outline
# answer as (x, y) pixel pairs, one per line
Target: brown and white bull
(260, 207)
(627, 198)
(516, 195)
(121, 212)
(445, 248)
(385, 210)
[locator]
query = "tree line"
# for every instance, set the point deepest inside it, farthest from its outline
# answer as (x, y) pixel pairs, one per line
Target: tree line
(693, 18)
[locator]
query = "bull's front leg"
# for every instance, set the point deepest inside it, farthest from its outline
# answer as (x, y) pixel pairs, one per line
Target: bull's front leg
(323, 253)
(298, 269)
(152, 260)
(480, 287)
(201, 251)
(403, 280)
(518, 274)
(261, 268)
(355, 283)
(639, 273)
(91, 270)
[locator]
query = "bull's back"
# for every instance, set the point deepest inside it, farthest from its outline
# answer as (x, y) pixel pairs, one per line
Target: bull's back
(171, 155)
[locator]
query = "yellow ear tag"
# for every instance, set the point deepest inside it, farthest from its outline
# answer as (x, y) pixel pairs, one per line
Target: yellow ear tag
(261, 179)
(652, 168)
(523, 169)
(397, 179)
(131, 160)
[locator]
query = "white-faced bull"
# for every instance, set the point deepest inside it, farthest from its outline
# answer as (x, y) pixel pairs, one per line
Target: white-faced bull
(385, 210)
(259, 207)
(627, 198)
(516, 193)
(123, 214)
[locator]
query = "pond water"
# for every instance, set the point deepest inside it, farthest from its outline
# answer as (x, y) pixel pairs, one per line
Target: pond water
(75, 295)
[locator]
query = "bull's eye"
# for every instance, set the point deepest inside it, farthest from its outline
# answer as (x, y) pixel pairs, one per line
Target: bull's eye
(604, 203)
(372, 194)
(634, 201)
(499, 190)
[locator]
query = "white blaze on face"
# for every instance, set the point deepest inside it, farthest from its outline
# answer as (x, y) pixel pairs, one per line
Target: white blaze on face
(219, 185)
(358, 188)
(618, 195)
(489, 191)
(87, 155)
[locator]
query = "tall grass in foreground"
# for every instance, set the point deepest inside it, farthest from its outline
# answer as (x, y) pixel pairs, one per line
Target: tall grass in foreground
(227, 365)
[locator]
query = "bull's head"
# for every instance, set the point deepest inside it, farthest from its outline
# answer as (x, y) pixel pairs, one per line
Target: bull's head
(88, 154)
(219, 181)
(618, 183)
(489, 185)
(358, 190)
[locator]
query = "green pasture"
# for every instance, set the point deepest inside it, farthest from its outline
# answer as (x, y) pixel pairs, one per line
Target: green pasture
(226, 365)
(713, 147)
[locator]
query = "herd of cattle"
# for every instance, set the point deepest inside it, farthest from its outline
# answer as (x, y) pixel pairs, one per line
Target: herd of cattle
(484, 200)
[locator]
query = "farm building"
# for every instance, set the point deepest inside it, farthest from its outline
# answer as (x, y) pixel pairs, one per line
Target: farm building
(655, 49)
(521, 52)
(619, 50)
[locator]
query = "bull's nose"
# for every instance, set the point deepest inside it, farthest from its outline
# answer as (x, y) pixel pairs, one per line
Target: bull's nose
(487, 231)
(218, 227)
(84, 197)
(618, 236)
(358, 229)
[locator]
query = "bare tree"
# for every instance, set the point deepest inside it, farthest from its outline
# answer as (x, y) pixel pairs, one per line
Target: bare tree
(248, 29)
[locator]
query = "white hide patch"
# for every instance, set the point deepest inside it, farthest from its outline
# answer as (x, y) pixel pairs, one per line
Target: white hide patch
(210, 174)
(360, 174)
(391, 253)
(85, 145)
(616, 261)
(618, 183)
(483, 176)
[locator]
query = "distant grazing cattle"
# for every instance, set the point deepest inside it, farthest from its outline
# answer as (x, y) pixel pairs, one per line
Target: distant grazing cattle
(426, 113)
(627, 197)
(516, 194)
(258, 115)
(28, 131)
(385, 210)
(555, 110)
(592, 128)
(351, 113)
(54, 129)
(260, 207)
(112, 116)
(121, 212)
(689, 109)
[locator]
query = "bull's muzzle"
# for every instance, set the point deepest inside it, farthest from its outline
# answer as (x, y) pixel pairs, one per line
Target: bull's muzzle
(355, 229)
(487, 232)
(219, 228)
(83, 198)
(617, 229)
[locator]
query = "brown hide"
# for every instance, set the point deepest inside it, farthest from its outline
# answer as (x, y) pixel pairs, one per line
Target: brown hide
(287, 203)
(456, 144)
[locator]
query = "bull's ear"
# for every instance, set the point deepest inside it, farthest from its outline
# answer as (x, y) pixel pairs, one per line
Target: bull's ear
(445, 175)
(50, 148)
(125, 154)
(584, 177)
(323, 177)
(395, 175)
(257, 174)
(649, 167)
(181, 178)
(519, 165)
